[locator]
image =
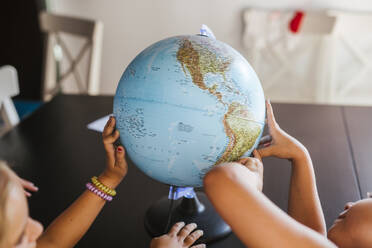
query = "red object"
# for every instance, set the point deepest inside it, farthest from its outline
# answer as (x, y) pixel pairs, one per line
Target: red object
(295, 23)
(120, 149)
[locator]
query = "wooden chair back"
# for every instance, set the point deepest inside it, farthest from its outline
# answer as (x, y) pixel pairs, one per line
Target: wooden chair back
(89, 30)
(8, 89)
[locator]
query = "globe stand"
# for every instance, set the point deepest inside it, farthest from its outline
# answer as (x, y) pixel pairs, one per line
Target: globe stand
(198, 209)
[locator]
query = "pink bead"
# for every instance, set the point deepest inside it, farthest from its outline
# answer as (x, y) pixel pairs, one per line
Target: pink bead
(99, 193)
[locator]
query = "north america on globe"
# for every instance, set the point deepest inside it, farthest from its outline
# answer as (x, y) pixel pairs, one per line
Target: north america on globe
(186, 104)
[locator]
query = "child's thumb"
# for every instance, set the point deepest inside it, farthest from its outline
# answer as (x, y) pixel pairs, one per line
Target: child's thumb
(266, 151)
(119, 155)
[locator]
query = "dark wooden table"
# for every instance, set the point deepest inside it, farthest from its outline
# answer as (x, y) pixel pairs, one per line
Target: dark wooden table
(54, 149)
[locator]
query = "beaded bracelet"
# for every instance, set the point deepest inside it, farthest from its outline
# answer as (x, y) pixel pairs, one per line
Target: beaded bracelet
(103, 187)
(96, 191)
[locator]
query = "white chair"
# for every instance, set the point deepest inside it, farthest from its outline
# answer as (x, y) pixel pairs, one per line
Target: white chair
(8, 89)
(285, 62)
(329, 60)
(89, 30)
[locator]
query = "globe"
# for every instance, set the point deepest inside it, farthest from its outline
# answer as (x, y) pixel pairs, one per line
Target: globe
(186, 104)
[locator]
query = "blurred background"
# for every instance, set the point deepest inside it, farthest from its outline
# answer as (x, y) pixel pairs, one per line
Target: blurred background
(304, 51)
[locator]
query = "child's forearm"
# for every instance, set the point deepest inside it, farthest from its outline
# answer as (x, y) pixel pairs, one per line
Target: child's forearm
(69, 227)
(252, 216)
(304, 204)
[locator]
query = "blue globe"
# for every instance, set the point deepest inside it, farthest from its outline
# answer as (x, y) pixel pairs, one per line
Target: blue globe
(186, 104)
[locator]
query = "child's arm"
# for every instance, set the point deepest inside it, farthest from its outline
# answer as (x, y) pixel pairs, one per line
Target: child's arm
(73, 223)
(304, 205)
(234, 191)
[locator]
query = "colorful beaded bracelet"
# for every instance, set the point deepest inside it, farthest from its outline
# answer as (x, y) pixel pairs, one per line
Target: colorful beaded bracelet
(103, 187)
(96, 191)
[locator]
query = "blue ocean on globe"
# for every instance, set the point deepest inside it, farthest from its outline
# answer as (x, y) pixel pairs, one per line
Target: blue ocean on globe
(186, 104)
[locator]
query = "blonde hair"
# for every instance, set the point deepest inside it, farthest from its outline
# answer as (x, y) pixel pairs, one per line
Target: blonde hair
(6, 184)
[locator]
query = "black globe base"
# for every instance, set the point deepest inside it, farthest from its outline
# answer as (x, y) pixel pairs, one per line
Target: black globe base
(197, 210)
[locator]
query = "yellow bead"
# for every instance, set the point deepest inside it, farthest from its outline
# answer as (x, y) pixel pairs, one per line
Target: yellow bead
(103, 187)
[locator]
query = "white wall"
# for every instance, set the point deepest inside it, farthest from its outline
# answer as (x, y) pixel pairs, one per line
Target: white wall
(132, 25)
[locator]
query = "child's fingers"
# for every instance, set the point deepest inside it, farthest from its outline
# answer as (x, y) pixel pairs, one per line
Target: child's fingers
(108, 143)
(265, 139)
(189, 240)
(199, 246)
(28, 185)
(266, 151)
(110, 135)
(108, 122)
(243, 161)
(111, 138)
(258, 161)
(257, 155)
(270, 116)
(109, 127)
(186, 231)
(176, 228)
(119, 156)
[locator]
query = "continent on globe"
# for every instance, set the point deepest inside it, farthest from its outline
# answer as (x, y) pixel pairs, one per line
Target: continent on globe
(241, 131)
(185, 104)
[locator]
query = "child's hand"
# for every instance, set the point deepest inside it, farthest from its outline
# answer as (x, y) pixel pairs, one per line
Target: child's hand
(27, 186)
(279, 143)
(116, 165)
(255, 166)
(179, 236)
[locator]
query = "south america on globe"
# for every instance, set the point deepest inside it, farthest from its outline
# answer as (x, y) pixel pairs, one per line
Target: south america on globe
(186, 104)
